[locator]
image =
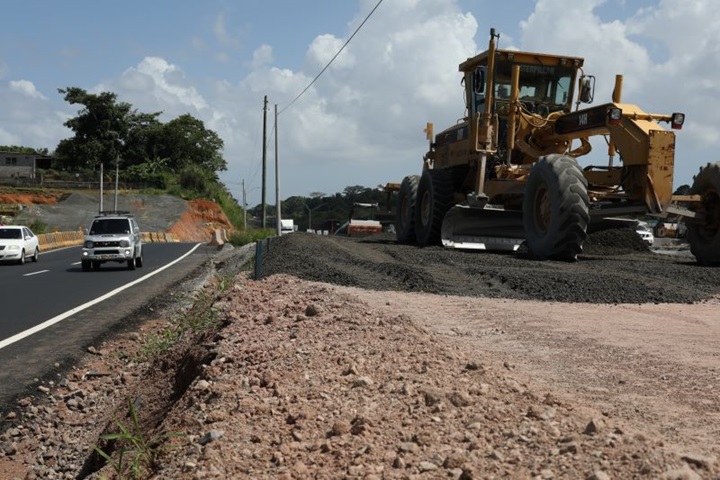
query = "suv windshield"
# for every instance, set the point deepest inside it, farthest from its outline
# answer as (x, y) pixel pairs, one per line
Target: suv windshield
(110, 226)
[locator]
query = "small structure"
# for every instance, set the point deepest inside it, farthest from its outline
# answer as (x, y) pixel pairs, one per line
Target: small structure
(22, 165)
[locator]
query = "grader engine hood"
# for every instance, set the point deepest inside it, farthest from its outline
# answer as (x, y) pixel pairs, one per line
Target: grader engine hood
(583, 121)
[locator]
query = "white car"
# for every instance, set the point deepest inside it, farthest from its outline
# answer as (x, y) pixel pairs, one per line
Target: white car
(18, 243)
(646, 234)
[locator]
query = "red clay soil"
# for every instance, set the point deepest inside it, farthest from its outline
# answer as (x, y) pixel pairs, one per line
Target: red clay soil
(34, 198)
(199, 221)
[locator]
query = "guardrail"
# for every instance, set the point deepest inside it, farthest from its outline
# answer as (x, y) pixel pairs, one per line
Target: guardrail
(49, 241)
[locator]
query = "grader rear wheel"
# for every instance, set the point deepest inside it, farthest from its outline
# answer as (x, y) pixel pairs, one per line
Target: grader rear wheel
(704, 237)
(405, 212)
(434, 199)
(556, 209)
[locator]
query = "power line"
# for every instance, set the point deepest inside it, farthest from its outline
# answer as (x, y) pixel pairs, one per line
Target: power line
(332, 59)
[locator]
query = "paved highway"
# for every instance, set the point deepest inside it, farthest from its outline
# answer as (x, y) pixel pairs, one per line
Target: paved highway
(51, 311)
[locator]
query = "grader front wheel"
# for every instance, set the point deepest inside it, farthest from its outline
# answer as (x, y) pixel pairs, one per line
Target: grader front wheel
(704, 236)
(405, 212)
(556, 209)
(434, 199)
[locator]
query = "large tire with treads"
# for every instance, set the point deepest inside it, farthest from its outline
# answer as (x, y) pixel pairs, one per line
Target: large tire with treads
(704, 237)
(434, 199)
(556, 209)
(405, 210)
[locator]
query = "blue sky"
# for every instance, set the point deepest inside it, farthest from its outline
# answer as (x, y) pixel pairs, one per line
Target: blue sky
(361, 122)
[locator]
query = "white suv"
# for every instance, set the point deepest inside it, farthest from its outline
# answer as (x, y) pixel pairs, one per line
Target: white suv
(113, 237)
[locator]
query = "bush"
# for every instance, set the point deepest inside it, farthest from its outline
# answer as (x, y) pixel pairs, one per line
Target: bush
(38, 227)
(239, 238)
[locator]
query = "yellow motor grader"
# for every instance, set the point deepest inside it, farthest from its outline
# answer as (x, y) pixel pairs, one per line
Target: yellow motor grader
(508, 172)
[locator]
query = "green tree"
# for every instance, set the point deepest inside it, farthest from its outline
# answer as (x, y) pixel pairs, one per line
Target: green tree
(101, 129)
(186, 142)
(28, 150)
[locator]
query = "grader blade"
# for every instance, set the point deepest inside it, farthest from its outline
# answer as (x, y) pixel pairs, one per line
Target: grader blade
(472, 228)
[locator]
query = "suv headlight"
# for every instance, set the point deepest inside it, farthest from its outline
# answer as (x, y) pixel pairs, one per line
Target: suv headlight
(124, 243)
(88, 244)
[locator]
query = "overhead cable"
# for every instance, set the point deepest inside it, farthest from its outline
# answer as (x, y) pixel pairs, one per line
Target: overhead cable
(332, 59)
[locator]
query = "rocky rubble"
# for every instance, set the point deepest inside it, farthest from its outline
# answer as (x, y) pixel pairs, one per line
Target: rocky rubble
(303, 380)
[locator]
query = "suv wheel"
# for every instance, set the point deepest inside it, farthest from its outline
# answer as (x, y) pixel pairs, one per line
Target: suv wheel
(131, 264)
(139, 261)
(85, 265)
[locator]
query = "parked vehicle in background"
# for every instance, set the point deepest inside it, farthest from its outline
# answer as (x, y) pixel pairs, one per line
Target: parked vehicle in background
(17, 243)
(287, 226)
(645, 233)
(114, 236)
(361, 221)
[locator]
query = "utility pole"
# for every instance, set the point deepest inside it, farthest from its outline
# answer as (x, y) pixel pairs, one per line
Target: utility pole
(117, 175)
(101, 186)
(277, 176)
(264, 161)
(244, 206)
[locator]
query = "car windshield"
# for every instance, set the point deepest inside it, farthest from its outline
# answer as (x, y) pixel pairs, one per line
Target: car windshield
(10, 233)
(110, 226)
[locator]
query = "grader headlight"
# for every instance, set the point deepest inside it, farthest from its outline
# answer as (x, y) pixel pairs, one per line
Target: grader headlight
(614, 116)
(677, 121)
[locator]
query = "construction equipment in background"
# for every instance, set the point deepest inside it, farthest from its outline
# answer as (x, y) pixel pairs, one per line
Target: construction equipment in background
(669, 229)
(508, 172)
(361, 221)
(367, 218)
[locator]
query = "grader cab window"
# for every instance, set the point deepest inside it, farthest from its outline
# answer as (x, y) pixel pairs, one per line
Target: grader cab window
(538, 84)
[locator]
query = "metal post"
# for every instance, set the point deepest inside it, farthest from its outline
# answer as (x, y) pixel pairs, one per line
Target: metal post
(258, 260)
(277, 177)
(101, 186)
(244, 206)
(264, 162)
(117, 175)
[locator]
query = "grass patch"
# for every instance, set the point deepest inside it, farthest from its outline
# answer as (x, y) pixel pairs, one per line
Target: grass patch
(137, 454)
(243, 237)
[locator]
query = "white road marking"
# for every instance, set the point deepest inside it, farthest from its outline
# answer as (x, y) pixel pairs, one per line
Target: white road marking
(35, 273)
(19, 336)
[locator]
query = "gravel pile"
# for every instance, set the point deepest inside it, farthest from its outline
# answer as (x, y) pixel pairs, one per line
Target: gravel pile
(616, 267)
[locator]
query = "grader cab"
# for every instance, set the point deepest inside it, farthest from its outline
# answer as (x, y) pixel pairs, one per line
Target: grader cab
(509, 172)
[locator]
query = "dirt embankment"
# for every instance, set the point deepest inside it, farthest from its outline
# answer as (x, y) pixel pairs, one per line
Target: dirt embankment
(190, 221)
(200, 220)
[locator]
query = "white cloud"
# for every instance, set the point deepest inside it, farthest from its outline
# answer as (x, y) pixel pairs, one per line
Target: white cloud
(26, 88)
(262, 57)
(155, 84)
(324, 48)
(28, 117)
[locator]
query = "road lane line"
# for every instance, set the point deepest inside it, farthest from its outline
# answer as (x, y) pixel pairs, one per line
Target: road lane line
(35, 273)
(19, 336)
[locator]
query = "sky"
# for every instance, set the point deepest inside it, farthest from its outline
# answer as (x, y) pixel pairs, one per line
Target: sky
(361, 122)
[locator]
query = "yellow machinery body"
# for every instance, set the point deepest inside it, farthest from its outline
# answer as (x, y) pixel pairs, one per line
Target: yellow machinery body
(509, 172)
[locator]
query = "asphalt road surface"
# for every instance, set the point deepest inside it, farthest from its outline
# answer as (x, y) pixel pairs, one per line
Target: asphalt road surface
(52, 311)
